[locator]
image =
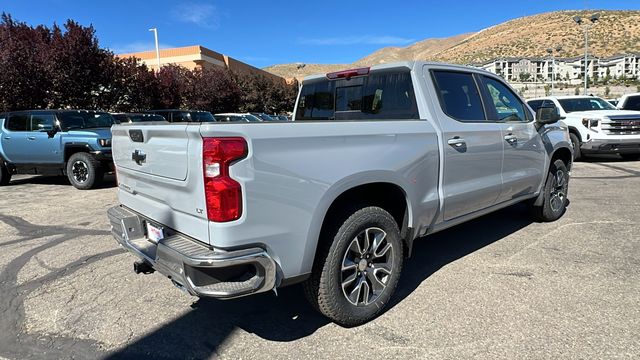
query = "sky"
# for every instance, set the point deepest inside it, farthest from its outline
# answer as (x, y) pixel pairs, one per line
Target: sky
(264, 33)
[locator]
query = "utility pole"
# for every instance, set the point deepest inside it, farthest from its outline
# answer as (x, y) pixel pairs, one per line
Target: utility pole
(155, 33)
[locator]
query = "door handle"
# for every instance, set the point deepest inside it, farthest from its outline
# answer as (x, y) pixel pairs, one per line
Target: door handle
(7, 137)
(31, 137)
(456, 141)
(511, 139)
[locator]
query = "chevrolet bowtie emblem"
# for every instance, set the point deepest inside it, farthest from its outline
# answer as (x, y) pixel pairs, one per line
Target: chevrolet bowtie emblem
(139, 157)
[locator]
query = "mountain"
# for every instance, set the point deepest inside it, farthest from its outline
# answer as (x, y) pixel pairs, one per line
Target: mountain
(616, 32)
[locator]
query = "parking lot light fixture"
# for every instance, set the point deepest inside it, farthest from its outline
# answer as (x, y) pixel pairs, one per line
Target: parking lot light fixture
(155, 33)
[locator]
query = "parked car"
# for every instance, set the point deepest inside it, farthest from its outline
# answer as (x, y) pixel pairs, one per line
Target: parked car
(629, 102)
(136, 117)
(229, 210)
(237, 117)
(264, 117)
(596, 126)
(75, 143)
(175, 115)
(280, 117)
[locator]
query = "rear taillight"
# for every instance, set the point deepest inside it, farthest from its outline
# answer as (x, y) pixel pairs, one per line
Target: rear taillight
(222, 193)
(347, 74)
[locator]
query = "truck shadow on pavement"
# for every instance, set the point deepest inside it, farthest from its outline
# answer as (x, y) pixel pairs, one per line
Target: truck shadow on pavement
(108, 182)
(202, 332)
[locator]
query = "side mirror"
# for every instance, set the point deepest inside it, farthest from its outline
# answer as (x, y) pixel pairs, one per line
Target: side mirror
(548, 115)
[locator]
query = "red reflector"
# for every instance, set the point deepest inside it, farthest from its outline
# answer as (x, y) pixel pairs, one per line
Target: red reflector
(348, 73)
(223, 194)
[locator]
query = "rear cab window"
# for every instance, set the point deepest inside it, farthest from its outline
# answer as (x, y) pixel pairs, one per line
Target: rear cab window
(380, 95)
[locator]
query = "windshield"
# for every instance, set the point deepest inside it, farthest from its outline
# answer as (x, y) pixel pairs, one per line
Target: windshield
(585, 104)
(265, 117)
(85, 120)
(202, 116)
(251, 118)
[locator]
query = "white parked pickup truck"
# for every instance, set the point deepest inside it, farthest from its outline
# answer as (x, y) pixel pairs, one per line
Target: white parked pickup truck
(596, 126)
(374, 159)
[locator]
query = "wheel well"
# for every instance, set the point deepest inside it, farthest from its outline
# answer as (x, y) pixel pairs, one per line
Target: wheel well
(387, 196)
(70, 150)
(563, 154)
(575, 131)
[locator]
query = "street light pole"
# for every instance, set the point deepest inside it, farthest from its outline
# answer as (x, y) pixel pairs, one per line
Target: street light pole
(594, 18)
(155, 33)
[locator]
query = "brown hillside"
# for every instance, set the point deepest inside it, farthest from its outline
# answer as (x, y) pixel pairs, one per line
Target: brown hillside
(425, 49)
(617, 32)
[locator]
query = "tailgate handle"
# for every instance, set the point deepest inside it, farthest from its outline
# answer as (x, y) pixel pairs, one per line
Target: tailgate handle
(136, 135)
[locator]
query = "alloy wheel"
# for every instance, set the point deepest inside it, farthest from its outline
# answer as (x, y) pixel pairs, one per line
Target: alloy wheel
(366, 267)
(80, 171)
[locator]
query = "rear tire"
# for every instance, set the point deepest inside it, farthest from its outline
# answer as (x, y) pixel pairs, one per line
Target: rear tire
(84, 171)
(357, 268)
(554, 194)
(575, 142)
(5, 175)
(630, 157)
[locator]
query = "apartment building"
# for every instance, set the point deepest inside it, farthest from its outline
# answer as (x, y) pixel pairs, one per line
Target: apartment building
(565, 69)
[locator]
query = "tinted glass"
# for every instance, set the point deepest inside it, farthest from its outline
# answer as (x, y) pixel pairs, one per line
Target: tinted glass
(459, 95)
(632, 103)
(349, 98)
(18, 122)
(42, 122)
(85, 120)
(202, 116)
(506, 104)
(585, 104)
(535, 104)
(181, 116)
(381, 95)
(120, 118)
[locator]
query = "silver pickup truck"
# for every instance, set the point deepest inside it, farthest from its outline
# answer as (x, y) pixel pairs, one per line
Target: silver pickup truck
(375, 158)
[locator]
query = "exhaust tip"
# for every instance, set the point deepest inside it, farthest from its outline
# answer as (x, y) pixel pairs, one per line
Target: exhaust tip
(142, 267)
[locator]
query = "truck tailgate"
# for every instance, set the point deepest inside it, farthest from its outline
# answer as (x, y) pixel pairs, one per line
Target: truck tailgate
(168, 145)
(158, 179)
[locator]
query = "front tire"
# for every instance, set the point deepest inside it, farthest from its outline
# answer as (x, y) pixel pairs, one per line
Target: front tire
(554, 194)
(575, 142)
(357, 270)
(5, 175)
(84, 171)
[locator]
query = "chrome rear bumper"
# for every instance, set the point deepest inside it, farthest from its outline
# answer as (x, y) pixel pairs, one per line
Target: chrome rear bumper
(193, 266)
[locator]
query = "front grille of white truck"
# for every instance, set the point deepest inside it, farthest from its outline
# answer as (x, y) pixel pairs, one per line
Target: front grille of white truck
(621, 125)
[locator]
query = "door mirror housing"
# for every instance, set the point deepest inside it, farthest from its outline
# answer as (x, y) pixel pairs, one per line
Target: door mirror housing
(548, 115)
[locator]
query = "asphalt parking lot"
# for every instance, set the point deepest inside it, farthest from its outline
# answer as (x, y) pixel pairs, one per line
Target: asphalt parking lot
(497, 287)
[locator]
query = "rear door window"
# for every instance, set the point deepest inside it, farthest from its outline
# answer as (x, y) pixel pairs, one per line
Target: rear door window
(459, 96)
(18, 122)
(378, 96)
(42, 122)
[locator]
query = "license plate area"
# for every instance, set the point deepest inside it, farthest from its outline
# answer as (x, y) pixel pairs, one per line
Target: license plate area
(155, 233)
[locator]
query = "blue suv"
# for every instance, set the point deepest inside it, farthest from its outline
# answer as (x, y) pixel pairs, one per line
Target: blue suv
(76, 143)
